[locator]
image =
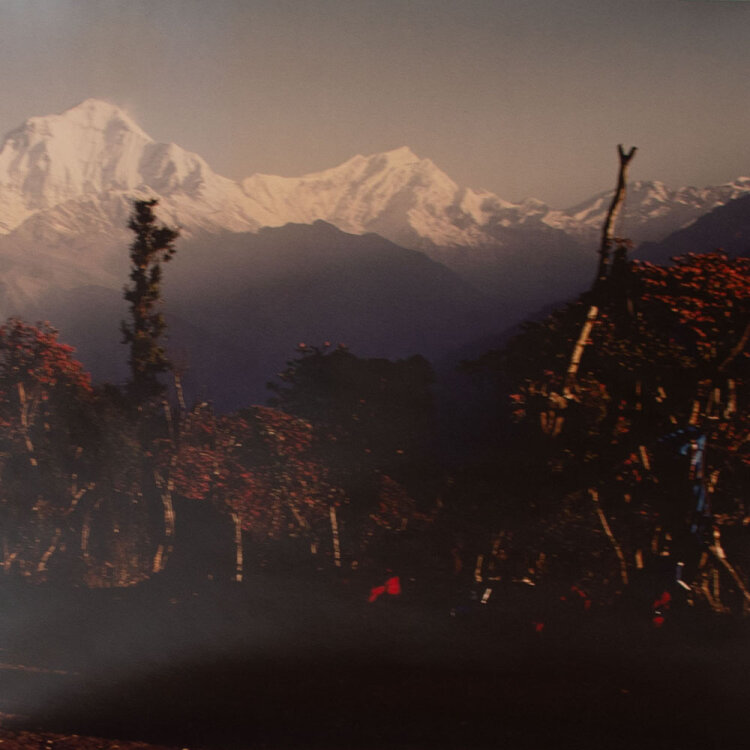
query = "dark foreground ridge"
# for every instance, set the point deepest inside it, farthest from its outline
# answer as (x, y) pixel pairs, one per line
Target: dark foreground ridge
(290, 662)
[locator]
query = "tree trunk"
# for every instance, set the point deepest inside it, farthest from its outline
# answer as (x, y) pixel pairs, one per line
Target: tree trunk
(603, 270)
(718, 552)
(575, 359)
(180, 394)
(736, 349)
(42, 566)
(9, 559)
(335, 535)
(238, 557)
(608, 531)
(85, 534)
(25, 422)
(612, 213)
(164, 550)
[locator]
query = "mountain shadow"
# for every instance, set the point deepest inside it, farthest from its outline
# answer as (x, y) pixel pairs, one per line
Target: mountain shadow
(726, 227)
(238, 305)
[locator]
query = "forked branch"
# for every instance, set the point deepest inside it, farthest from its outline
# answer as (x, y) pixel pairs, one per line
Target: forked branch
(612, 213)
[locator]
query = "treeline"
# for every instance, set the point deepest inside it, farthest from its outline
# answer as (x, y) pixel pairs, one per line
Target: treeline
(616, 464)
(108, 486)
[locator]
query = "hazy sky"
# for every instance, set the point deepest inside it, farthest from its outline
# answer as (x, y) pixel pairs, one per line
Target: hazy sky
(521, 97)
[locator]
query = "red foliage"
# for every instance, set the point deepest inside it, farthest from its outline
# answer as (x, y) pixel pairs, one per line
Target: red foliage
(32, 355)
(709, 295)
(665, 363)
(39, 379)
(395, 507)
(254, 464)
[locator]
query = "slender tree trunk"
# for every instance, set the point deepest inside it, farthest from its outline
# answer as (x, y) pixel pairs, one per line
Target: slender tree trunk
(180, 393)
(85, 535)
(42, 566)
(168, 419)
(169, 524)
(9, 559)
(718, 552)
(603, 270)
(639, 559)
(164, 550)
(575, 359)
(478, 568)
(86, 530)
(335, 536)
(736, 349)
(608, 531)
(238, 557)
(614, 209)
(731, 406)
(25, 406)
(77, 494)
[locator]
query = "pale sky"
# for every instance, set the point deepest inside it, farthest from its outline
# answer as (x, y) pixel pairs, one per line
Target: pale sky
(527, 98)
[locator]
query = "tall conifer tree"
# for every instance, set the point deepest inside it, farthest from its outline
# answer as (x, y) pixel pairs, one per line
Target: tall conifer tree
(152, 246)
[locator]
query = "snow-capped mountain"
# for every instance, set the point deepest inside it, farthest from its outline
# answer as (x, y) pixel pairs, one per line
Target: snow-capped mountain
(395, 194)
(412, 202)
(74, 173)
(95, 151)
(651, 211)
(67, 182)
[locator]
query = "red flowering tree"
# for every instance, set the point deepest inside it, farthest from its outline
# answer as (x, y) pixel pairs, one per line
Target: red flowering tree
(640, 414)
(44, 397)
(255, 467)
(71, 495)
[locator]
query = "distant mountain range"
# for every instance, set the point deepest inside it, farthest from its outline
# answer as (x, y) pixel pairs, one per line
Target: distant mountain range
(67, 183)
(726, 228)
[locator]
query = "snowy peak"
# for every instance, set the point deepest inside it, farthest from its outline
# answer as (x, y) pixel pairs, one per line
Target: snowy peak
(97, 114)
(402, 156)
(395, 193)
(87, 149)
(651, 210)
(95, 149)
(78, 123)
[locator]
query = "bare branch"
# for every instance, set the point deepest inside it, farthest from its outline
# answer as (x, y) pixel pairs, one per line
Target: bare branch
(612, 213)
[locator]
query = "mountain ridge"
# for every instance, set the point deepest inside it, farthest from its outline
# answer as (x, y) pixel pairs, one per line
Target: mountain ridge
(725, 228)
(238, 307)
(95, 149)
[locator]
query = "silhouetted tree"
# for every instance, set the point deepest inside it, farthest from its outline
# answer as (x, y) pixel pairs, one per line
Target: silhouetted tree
(152, 246)
(374, 430)
(370, 415)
